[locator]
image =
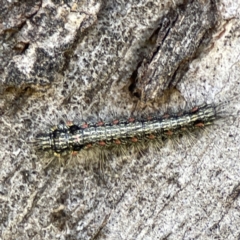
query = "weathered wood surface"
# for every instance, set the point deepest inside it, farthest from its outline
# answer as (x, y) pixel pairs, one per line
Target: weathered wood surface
(67, 59)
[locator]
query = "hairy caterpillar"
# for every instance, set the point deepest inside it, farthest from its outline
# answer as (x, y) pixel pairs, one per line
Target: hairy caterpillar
(111, 136)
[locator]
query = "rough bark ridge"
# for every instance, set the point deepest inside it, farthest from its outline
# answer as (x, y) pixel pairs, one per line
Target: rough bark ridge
(180, 36)
(87, 59)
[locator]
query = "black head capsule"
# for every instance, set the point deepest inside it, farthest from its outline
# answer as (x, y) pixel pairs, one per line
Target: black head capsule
(60, 138)
(56, 139)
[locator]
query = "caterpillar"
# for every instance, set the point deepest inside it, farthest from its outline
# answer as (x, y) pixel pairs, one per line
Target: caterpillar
(111, 136)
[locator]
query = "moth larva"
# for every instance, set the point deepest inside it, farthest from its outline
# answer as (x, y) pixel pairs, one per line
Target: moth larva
(108, 136)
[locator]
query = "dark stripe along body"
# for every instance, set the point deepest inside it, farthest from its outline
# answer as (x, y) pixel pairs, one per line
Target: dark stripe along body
(70, 137)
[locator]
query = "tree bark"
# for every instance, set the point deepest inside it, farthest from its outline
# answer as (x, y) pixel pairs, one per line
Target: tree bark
(100, 60)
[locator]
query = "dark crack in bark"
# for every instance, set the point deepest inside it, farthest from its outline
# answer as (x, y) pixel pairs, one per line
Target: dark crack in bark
(181, 34)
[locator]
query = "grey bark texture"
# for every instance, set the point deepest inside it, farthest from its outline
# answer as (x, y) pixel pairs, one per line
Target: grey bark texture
(91, 60)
